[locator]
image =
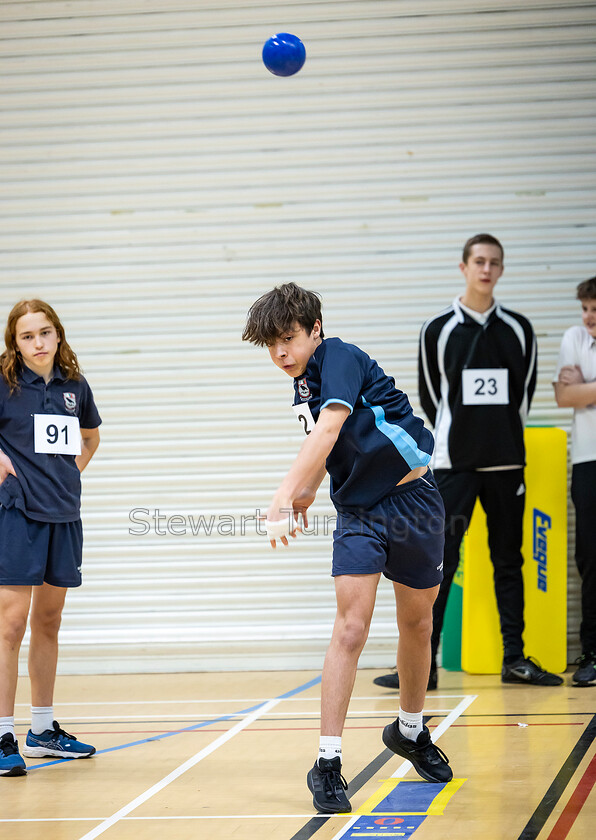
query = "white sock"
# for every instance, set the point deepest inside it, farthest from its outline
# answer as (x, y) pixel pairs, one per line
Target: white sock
(410, 724)
(42, 718)
(329, 747)
(7, 725)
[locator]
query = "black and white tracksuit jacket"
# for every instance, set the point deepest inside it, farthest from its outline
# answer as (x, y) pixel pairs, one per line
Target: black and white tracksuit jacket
(476, 383)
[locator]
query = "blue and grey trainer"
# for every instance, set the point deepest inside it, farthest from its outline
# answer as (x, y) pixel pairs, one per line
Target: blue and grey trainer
(11, 763)
(55, 743)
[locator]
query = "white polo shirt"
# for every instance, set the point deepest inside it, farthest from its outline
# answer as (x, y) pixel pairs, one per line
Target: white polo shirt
(579, 348)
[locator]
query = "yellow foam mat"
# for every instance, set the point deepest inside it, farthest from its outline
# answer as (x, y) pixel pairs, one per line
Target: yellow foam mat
(545, 566)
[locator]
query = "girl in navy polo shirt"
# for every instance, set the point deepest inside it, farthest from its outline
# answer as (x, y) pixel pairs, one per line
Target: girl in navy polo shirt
(48, 434)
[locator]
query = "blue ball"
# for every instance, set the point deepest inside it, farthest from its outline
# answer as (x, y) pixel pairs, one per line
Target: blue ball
(283, 54)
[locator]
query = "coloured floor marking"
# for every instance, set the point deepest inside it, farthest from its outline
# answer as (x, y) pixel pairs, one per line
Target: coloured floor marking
(414, 798)
(385, 827)
(394, 804)
(399, 807)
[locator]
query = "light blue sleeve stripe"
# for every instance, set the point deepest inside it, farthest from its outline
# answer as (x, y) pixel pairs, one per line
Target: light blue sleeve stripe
(403, 442)
(337, 402)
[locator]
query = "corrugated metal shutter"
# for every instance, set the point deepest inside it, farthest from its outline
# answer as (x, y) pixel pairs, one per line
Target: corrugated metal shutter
(156, 179)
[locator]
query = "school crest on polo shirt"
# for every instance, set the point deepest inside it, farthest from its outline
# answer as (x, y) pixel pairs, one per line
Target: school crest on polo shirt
(303, 389)
(70, 401)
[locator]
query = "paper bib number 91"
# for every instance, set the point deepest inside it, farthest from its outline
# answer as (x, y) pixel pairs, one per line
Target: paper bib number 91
(56, 434)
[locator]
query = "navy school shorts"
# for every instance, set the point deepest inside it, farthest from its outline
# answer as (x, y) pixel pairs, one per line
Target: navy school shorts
(33, 552)
(401, 536)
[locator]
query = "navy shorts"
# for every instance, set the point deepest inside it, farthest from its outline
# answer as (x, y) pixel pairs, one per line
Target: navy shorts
(402, 536)
(32, 552)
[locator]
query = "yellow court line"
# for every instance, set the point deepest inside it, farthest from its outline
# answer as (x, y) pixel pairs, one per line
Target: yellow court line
(377, 797)
(436, 807)
(440, 801)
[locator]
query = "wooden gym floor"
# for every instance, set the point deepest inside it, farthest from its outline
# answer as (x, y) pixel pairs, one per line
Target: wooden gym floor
(225, 756)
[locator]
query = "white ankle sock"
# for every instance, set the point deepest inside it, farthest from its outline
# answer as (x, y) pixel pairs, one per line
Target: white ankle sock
(410, 724)
(42, 718)
(329, 747)
(7, 725)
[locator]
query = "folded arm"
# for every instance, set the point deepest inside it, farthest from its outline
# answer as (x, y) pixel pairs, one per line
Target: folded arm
(571, 391)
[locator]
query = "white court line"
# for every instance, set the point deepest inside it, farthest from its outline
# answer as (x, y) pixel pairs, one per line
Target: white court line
(165, 718)
(182, 817)
(405, 766)
(245, 700)
(95, 832)
(164, 702)
(51, 819)
(243, 817)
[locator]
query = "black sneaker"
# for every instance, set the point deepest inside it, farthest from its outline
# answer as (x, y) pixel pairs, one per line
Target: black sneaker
(392, 680)
(528, 670)
(586, 673)
(327, 786)
(428, 760)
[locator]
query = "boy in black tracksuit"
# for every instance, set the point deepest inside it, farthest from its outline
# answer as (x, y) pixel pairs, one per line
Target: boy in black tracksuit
(477, 374)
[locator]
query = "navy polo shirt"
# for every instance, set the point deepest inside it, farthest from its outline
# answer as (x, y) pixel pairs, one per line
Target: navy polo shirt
(380, 441)
(47, 487)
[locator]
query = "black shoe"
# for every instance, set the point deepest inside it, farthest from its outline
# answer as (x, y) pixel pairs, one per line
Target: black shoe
(327, 786)
(388, 680)
(428, 760)
(528, 671)
(392, 680)
(586, 673)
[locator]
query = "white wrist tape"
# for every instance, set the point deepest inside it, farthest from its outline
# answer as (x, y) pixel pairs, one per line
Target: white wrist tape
(279, 528)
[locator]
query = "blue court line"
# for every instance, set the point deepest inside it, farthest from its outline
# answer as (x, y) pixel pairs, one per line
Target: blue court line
(195, 726)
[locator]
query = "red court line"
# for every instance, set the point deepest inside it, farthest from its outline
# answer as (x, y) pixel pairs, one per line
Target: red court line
(576, 802)
(528, 725)
(257, 729)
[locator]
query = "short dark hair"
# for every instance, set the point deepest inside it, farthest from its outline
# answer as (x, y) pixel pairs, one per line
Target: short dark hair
(277, 311)
(587, 289)
(481, 239)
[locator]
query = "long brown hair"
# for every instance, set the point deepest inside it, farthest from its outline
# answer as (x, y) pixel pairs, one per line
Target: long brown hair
(10, 361)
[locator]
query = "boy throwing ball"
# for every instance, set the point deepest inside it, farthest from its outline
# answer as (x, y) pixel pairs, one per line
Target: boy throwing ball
(390, 520)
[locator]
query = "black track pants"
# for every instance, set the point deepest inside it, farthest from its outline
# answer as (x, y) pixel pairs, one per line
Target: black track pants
(583, 494)
(502, 495)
